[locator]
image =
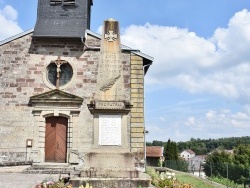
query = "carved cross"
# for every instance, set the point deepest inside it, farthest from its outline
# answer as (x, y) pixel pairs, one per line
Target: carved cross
(58, 63)
(110, 36)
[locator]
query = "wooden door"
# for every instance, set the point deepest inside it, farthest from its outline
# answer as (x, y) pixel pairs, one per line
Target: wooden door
(56, 139)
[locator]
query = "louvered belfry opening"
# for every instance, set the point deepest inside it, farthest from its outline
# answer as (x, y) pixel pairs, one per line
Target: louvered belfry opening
(62, 18)
(62, 2)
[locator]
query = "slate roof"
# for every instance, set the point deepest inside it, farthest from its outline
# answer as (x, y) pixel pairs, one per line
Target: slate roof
(62, 21)
(200, 158)
(154, 151)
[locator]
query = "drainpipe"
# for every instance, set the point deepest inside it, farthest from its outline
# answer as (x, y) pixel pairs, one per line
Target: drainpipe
(144, 126)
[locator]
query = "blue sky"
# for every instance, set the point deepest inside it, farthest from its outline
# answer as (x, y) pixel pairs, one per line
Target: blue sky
(199, 83)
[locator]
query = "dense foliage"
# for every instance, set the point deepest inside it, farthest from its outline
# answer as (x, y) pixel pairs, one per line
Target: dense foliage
(172, 159)
(170, 150)
(235, 167)
(205, 146)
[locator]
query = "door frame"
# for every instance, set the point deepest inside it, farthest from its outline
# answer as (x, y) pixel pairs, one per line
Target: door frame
(38, 148)
(69, 132)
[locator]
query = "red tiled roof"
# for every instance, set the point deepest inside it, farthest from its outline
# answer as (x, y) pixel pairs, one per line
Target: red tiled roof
(189, 151)
(154, 151)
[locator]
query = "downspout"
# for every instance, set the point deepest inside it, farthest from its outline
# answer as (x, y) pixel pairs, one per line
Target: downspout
(144, 126)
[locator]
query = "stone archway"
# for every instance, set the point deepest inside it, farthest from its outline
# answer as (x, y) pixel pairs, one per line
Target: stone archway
(55, 104)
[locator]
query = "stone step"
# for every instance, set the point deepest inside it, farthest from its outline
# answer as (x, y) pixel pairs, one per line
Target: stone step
(51, 165)
(51, 168)
(111, 182)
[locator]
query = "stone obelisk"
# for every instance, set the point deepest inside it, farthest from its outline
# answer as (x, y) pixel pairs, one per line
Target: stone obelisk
(110, 71)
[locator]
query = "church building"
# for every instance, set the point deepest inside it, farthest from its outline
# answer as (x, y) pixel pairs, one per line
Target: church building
(69, 95)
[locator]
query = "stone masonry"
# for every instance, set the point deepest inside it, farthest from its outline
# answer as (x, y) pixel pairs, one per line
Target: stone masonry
(23, 67)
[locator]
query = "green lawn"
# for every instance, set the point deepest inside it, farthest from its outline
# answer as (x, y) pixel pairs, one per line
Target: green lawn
(182, 178)
(196, 182)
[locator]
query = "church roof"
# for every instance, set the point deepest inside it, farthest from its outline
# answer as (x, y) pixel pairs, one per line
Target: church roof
(147, 59)
(19, 35)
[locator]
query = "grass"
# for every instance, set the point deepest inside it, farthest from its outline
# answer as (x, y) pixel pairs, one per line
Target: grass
(196, 182)
(184, 180)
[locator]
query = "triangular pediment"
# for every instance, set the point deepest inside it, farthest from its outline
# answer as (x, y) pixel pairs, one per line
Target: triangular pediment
(56, 96)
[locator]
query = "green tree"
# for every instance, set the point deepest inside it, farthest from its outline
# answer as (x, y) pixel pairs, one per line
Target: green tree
(232, 166)
(216, 163)
(172, 159)
(240, 172)
(242, 155)
(171, 150)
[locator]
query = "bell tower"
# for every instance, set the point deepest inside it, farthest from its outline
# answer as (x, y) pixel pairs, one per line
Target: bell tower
(62, 18)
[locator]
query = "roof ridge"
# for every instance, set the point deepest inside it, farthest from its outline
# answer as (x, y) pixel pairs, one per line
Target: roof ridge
(19, 35)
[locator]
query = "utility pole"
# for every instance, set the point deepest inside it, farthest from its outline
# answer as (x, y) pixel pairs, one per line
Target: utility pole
(227, 175)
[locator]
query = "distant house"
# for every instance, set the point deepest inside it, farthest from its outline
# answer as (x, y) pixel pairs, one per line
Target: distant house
(154, 154)
(195, 165)
(187, 154)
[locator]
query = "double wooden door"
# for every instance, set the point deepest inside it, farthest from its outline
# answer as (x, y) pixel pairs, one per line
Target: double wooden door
(56, 139)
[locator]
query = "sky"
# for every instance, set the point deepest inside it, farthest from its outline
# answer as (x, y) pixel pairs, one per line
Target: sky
(199, 83)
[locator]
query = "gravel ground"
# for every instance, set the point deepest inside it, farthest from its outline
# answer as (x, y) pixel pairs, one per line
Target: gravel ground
(12, 177)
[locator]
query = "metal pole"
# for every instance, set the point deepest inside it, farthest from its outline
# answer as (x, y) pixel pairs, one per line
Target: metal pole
(211, 170)
(227, 175)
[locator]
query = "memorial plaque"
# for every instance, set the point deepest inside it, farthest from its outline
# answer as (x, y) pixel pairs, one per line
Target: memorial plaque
(109, 105)
(110, 130)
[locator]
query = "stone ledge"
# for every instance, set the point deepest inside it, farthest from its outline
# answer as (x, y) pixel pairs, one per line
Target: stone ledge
(16, 163)
(144, 181)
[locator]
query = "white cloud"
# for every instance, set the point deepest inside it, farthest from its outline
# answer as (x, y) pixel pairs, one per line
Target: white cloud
(99, 30)
(210, 115)
(190, 121)
(9, 13)
(214, 124)
(8, 19)
(219, 65)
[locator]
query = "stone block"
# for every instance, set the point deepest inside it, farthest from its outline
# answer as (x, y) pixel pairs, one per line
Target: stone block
(137, 72)
(137, 120)
(136, 81)
(109, 160)
(135, 58)
(136, 135)
(137, 95)
(112, 182)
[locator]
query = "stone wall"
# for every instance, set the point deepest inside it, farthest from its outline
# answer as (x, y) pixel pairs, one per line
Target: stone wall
(137, 112)
(23, 74)
(23, 66)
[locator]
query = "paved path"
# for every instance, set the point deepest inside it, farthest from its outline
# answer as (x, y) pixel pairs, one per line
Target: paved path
(11, 177)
